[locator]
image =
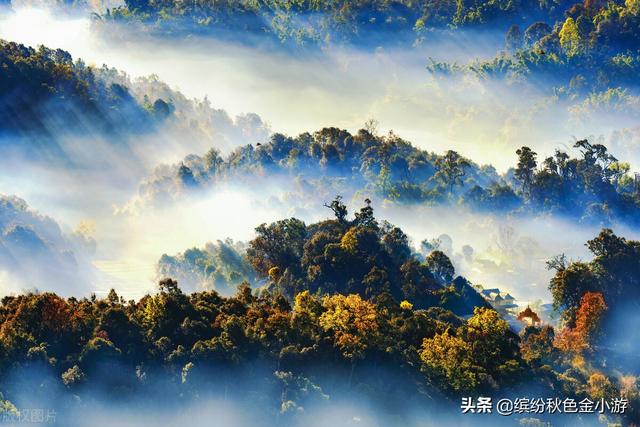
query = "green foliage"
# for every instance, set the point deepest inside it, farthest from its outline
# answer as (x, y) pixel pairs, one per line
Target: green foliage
(324, 343)
(313, 22)
(592, 187)
(204, 340)
(441, 266)
(358, 256)
(473, 356)
(222, 266)
(526, 167)
(43, 91)
(595, 40)
(451, 168)
(613, 272)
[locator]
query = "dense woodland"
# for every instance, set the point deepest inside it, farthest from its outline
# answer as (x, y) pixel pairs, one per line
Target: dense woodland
(582, 50)
(593, 186)
(342, 308)
(345, 308)
(592, 50)
(304, 22)
(44, 92)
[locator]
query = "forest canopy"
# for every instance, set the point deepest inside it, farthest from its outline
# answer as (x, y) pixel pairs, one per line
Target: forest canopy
(360, 22)
(43, 92)
(591, 186)
(586, 51)
(316, 330)
(590, 52)
(316, 313)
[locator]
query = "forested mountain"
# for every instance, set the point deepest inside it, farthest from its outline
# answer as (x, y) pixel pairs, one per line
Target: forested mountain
(359, 256)
(593, 187)
(222, 266)
(34, 249)
(359, 22)
(336, 315)
(585, 50)
(319, 332)
(43, 92)
(591, 49)
(45, 95)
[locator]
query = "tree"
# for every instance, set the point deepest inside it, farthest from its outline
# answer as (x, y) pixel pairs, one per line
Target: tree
(213, 161)
(185, 175)
(169, 286)
(588, 325)
(396, 244)
(568, 285)
(514, 38)
(536, 345)
(440, 265)
(447, 360)
(365, 217)
(306, 312)
(525, 170)
(589, 316)
(339, 209)
(600, 387)
(99, 353)
(596, 154)
(119, 329)
(113, 297)
(406, 305)
(570, 39)
(451, 168)
(161, 109)
(489, 337)
(279, 244)
(73, 376)
(535, 32)
(354, 323)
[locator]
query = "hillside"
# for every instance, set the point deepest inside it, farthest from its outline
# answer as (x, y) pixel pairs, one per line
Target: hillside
(594, 187)
(376, 339)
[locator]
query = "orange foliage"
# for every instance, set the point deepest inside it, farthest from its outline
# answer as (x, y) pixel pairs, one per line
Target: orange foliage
(588, 317)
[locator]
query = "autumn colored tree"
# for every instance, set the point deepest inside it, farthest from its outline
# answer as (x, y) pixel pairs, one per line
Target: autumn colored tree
(537, 345)
(569, 284)
(571, 39)
(353, 322)
(493, 345)
(588, 325)
(448, 361)
(482, 350)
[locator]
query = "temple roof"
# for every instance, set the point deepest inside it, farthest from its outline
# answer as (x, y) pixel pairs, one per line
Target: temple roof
(528, 313)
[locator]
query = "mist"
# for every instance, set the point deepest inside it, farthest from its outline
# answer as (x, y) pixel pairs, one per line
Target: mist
(294, 92)
(506, 252)
(256, 397)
